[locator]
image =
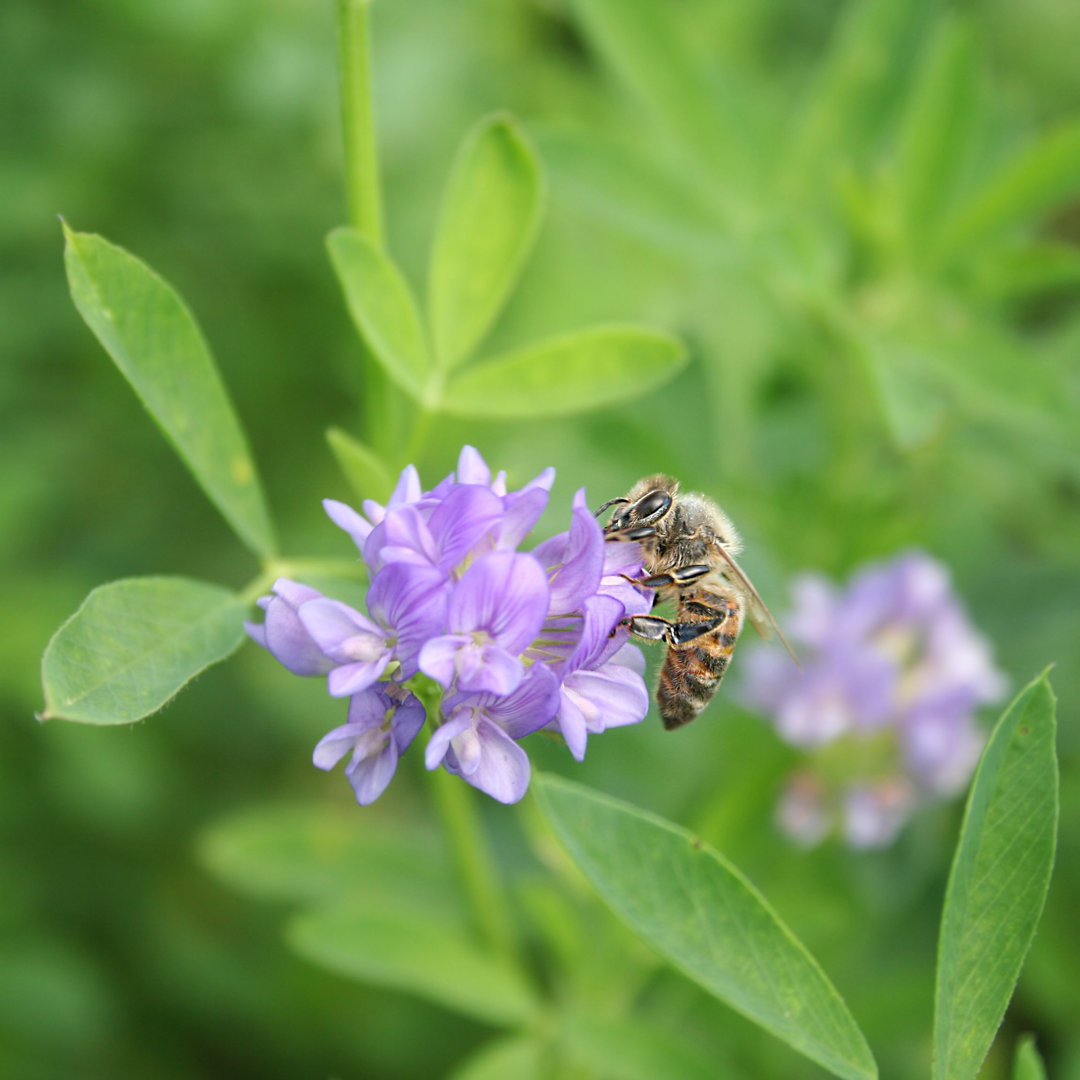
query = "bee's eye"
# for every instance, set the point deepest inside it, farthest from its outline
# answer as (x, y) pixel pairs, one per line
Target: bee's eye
(655, 504)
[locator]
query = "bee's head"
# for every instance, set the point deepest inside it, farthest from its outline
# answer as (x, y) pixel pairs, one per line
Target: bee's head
(647, 502)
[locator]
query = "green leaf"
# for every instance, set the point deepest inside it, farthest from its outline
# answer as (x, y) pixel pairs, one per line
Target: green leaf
(430, 956)
(317, 852)
(909, 388)
(703, 916)
(565, 375)
(1027, 1065)
(1022, 270)
(519, 1057)
(705, 110)
(382, 306)
(634, 1049)
(1030, 185)
(489, 219)
(363, 468)
(155, 342)
(937, 128)
(637, 193)
(133, 644)
(857, 87)
(998, 882)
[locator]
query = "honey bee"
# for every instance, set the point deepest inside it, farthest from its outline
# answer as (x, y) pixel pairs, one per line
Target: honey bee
(689, 547)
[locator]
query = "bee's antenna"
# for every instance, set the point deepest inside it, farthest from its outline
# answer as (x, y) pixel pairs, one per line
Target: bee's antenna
(730, 560)
(611, 502)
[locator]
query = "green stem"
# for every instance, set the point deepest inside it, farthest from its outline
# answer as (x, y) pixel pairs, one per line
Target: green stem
(476, 867)
(352, 569)
(358, 120)
(418, 436)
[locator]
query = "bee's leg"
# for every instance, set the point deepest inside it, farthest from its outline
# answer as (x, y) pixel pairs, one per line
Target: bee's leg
(679, 576)
(639, 532)
(654, 628)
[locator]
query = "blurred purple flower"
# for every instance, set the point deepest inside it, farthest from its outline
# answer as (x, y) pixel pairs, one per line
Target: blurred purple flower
(499, 642)
(891, 665)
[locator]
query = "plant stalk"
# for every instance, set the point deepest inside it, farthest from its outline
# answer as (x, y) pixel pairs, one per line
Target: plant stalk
(475, 865)
(358, 120)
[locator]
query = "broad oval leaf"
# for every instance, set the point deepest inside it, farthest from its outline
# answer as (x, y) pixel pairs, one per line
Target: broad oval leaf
(601, 366)
(432, 957)
(998, 882)
(133, 644)
(382, 306)
(703, 916)
(363, 468)
(490, 214)
(155, 342)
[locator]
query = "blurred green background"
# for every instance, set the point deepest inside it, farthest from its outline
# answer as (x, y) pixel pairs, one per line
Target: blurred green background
(877, 361)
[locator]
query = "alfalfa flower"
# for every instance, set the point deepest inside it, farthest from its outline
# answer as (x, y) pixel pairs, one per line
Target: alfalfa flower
(885, 703)
(483, 641)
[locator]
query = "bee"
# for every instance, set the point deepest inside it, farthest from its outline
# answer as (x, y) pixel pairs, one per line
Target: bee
(689, 547)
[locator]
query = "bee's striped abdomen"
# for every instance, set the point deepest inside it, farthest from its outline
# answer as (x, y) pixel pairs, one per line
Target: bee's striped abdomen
(692, 672)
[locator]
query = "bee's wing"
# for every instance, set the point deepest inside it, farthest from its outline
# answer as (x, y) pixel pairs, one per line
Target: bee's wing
(760, 616)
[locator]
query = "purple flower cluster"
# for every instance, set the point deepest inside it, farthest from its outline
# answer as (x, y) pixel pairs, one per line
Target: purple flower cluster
(499, 643)
(892, 675)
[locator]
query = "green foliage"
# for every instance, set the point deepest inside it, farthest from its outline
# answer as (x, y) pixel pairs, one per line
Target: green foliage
(382, 307)
(133, 644)
(305, 853)
(490, 215)
(428, 955)
(863, 377)
(518, 1057)
(1023, 191)
(1028, 1065)
(700, 913)
(572, 374)
(154, 340)
(998, 882)
(361, 466)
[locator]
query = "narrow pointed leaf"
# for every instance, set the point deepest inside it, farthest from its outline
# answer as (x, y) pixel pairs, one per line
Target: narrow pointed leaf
(1028, 269)
(998, 883)
(133, 644)
(363, 468)
(565, 375)
(490, 214)
(937, 128)
(701, 914)
(1028, 1064)
(428, 956)
(382, 306)
(155, 342)
(856, 88)
(1031, 184)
